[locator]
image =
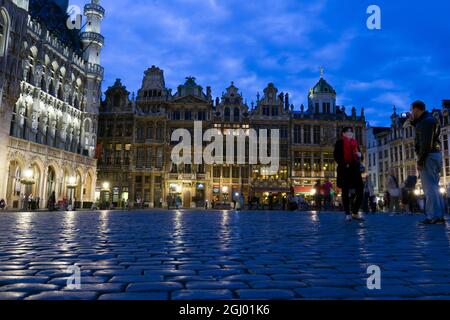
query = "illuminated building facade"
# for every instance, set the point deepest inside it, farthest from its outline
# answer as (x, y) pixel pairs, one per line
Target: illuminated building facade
(51, 102)
(135, 142)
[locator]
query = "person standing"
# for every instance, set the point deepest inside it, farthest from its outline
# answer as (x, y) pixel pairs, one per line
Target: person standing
(241, 201)
(30, 202)
(284, 202)
(348, 157)
(52, 201)
(271, 201)
(429, 163)
(327, 186)
(394, 192)
(317, 195)
(369, 194)
(386, 201)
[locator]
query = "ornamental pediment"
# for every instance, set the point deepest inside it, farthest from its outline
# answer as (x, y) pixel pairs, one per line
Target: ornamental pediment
(189, 99)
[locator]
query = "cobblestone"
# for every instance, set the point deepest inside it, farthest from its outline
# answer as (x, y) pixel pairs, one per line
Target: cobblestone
(161, 255)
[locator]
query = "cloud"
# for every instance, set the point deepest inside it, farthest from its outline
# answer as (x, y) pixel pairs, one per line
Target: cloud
(376, 84)
(398, 99)
(255, 42)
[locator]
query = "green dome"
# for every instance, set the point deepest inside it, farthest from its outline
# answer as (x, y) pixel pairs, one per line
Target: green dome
(323, 87)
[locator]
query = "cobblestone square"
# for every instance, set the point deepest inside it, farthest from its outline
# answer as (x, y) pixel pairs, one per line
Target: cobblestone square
(192, 255)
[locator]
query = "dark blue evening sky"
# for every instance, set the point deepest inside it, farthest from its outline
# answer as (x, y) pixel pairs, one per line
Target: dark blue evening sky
(255, 42)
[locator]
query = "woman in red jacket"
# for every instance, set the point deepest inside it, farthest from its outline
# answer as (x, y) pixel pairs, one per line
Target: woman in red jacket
(349, 157)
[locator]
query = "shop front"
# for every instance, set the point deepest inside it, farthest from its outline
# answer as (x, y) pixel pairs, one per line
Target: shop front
(187, 194)
(200, 195)
(265, 197)
(174, 197)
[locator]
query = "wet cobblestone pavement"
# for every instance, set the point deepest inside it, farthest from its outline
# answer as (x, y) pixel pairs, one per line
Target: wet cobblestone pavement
(179, 255)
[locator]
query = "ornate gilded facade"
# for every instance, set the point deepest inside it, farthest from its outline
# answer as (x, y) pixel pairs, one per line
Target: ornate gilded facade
(50, 120)
(135, 142)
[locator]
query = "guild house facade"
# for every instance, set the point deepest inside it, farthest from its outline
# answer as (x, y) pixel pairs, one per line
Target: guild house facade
(50, 96)
(134, 142)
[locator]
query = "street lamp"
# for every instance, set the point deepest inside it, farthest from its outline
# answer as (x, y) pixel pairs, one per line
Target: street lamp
(105, 186)
(71, 185)
(28, 177)
(27, 180)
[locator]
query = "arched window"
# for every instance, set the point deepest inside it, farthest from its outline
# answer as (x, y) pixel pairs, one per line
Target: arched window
(30, 75)
(116, 100)
(227, 114)
(87, 125)
(43, 84)
(51, 181)
(237, 115)
(51, 88)
(17, 178)
(12, 129)
(4, 31)
(60, 93)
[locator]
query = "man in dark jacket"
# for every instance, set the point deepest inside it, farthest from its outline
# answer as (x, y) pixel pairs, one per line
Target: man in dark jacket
(429, 160)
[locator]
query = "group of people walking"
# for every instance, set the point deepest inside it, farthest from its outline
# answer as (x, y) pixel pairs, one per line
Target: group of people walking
(356, 192)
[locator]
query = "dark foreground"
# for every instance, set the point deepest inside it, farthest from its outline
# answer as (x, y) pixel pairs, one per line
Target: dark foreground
(220, 255)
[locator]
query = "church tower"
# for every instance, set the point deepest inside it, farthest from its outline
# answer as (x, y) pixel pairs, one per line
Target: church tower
(92, 41)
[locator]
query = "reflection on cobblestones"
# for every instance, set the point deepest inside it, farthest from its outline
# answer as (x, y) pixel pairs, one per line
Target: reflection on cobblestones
(219, 255)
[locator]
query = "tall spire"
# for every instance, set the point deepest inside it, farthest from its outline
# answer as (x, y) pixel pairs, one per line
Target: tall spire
(322, 71)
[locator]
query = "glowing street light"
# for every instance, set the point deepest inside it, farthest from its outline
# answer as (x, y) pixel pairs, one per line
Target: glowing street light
(442, 190)
(71, 182)
(105, 186)
(224, 189)
(28, 177)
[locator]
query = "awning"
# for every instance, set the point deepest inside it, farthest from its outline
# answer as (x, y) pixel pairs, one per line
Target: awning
(300, 189)
(271, 189)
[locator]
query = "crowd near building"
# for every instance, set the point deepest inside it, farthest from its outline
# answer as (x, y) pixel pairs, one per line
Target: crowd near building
(134, 143)
(390, 150)
(51, 79)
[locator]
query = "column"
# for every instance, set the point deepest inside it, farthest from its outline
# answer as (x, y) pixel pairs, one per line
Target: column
(5, 171)
(132, 190)
(59, 188)
(44, 196)
(152, 190)
(93, 187)
(321, 166)
(82, 182)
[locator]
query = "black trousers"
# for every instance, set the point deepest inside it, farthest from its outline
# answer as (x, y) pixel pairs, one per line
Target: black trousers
(353, 203)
